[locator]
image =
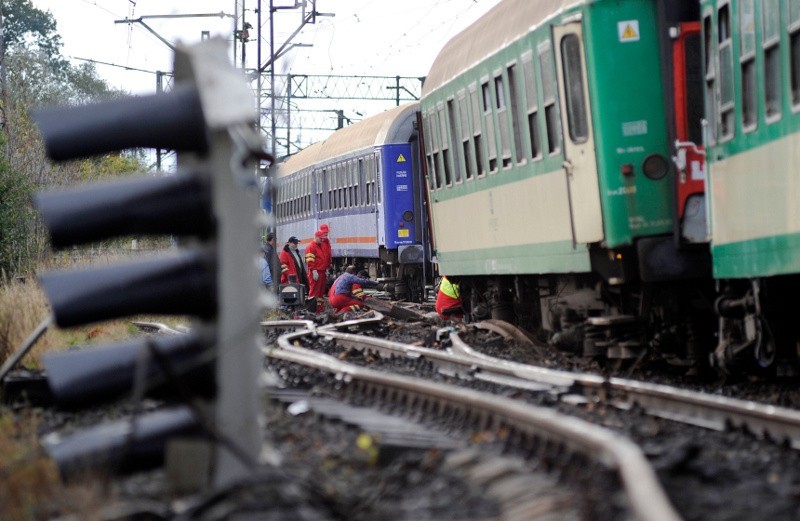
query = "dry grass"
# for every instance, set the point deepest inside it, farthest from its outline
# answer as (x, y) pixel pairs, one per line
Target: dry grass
(23, 305)
(22, 308)
(30, 488)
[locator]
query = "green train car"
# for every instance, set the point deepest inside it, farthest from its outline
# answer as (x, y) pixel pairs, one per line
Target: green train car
(751, 80)
(565, 169)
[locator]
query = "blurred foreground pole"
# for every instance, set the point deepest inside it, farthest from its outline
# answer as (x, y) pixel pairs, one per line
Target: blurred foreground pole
(212, 205)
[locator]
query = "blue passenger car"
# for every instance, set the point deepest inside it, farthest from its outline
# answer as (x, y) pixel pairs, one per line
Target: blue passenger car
(362, 181)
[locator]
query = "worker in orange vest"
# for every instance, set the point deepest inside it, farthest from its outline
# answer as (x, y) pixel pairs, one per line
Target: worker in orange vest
(448, 300)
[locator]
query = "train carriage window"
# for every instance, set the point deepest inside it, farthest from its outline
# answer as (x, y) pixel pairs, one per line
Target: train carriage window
(532, 104)
(352, 181)
(296, 197)
(747, 63)
(340, 185)
(477, 136)
(317, 191)
(466, 147)
(502, 119)
(378, 180)
(353, 170)
(794, 50)
(489, 126)
(573, 89)
(436, 138)
(373, 172)
(451, 143)
(444, 146)
(360, 183)
(348, 193)
(710, 78)
(285, 198)
(548, 87)
(291, 198)
(368, 181)
(427, 127)
(343, 184)
(513, 96)
(282, 199)
(329, 188)
(331, 185)
(278, 203)
(725, 53)
(770, 31)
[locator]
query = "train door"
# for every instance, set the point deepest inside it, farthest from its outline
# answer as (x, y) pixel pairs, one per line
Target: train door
(690, 156)
(580, 164)
(378, 189)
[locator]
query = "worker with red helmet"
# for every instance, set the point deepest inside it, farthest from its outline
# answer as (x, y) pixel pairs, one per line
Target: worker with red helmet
(316, 260)
(326, 244)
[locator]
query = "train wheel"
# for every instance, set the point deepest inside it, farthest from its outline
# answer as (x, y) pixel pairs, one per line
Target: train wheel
(764, 349)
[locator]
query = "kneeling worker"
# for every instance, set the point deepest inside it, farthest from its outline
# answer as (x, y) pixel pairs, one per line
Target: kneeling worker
(448, 300)
(346, 293)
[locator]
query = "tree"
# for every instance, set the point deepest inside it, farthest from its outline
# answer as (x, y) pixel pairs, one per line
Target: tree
(38, 75)
(29, 28)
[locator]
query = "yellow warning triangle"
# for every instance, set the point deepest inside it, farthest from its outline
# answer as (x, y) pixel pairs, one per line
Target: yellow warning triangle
(401, 158)
(629, 33)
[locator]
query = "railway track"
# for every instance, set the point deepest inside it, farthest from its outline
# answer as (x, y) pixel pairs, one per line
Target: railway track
(552, 436)
(509, 439)
(709, 411)
(733, 420)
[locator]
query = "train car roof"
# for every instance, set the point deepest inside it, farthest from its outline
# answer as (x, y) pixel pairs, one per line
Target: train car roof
(390, 126)
(504, 23)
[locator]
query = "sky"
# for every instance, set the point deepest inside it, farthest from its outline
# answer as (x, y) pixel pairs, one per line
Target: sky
(355, 37)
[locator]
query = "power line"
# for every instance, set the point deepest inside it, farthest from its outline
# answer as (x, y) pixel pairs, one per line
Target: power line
(126, 67)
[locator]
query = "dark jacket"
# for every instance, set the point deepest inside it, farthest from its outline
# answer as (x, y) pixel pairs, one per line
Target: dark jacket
(274, 264)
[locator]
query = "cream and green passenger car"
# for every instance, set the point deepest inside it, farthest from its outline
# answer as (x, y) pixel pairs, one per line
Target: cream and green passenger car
(751, 75)
(549, 131)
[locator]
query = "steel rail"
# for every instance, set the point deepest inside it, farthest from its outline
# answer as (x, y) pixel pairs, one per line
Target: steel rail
(695, 408)
(714, 412)
(647, 499)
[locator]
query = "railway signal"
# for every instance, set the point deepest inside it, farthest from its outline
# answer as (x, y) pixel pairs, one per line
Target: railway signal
(210, 204)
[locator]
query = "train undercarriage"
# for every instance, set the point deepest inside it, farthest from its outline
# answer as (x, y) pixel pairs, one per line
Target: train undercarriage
(585, 315)
(758, 328)
(737, 327)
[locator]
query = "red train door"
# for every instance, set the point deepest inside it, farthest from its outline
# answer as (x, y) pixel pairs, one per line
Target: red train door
(690, 155)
